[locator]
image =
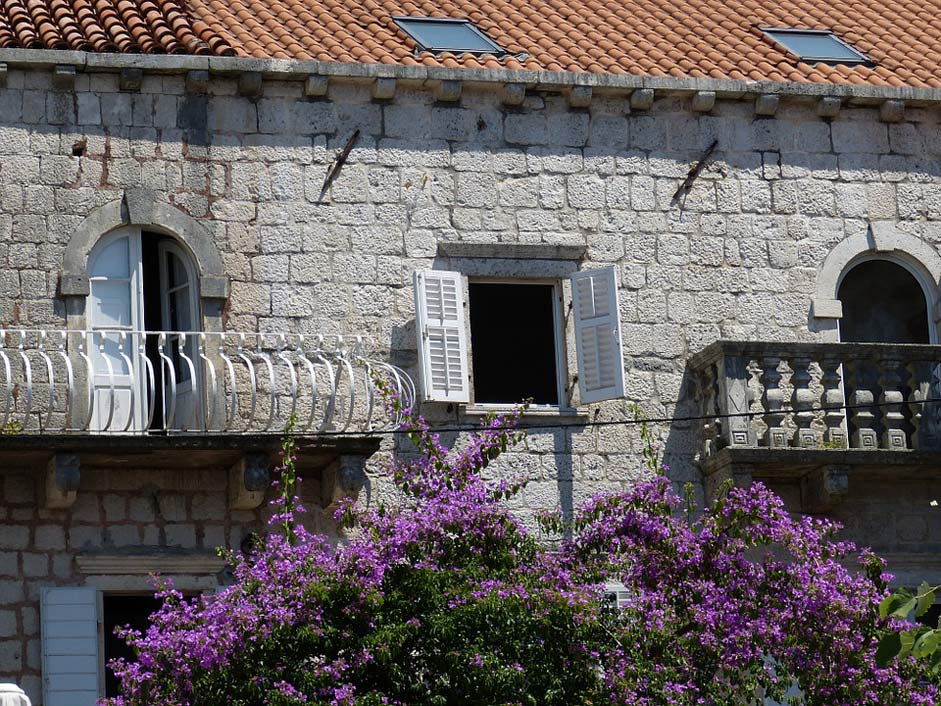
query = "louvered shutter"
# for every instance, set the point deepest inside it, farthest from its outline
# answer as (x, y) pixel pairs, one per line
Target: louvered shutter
(598, 335)
(442, 338)
(71, 665)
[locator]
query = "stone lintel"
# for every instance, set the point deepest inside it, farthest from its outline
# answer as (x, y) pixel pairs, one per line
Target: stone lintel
(823, 488)
(580, 97)
(63, 472)
(383, 89)
(131, 79)
(449, 91)
(642, 99)
(522, 251)
(767, 104)
(248, 479)
(197, 81)
(63, 78)
(127, 564)
(316, 86)
(892, 111)
(513, 93)
(703, 101)
(250, 84)
(829, 106)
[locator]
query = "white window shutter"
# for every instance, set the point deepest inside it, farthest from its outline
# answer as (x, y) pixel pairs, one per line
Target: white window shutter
(442, 337)
(598, 335)
(71, 663)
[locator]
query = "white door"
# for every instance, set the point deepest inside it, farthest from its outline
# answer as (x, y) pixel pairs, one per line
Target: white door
(115, 316)
(178, 305)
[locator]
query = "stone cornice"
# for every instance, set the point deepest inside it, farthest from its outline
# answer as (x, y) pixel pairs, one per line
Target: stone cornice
(569, 82)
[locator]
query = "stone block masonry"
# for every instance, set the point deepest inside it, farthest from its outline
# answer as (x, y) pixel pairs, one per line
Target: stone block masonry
(738, 257)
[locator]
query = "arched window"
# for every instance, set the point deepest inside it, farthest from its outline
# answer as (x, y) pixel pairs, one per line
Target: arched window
(142, 309)
(883, 302)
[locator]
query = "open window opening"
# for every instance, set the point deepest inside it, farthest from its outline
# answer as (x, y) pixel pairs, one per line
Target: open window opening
(883, 302)
(515, 331)
(142, 315)
(120, 611)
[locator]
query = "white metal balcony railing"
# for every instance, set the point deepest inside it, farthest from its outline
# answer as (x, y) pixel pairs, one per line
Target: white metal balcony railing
(135, 382)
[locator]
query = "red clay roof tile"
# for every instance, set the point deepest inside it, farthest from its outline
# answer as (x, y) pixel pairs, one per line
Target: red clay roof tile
(717, 38)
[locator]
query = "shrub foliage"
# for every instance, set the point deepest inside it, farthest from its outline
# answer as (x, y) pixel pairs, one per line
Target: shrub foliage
(446, 598)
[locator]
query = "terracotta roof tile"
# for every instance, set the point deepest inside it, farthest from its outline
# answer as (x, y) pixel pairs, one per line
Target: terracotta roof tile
(717, 38)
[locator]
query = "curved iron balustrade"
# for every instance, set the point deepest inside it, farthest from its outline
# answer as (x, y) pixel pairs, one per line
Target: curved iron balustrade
(136, 382)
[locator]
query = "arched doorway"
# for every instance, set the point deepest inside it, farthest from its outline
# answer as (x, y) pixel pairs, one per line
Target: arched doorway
(143, 294)
(883, 302)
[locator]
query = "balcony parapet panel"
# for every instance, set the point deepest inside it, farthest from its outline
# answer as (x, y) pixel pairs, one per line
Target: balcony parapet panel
(116, 382)
(826, 396)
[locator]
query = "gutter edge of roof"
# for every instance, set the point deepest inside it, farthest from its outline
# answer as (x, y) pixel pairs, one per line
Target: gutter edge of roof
(291, 69)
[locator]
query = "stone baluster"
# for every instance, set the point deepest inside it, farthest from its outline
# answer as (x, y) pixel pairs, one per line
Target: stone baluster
(776, 436)
(833, 400)
(734, 400)
(707, 393)
(890, 401)
(861, 400)
(805, 399)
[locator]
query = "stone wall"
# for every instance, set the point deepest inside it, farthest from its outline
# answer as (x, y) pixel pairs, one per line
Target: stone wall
(738, 257)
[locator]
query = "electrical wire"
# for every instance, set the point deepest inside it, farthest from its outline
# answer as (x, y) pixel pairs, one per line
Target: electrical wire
(575, 423)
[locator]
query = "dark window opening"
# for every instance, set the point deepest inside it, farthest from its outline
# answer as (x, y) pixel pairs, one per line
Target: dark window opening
(153, 319)
(513, 343)
(133, 611)
(930, 618)
(882, 303)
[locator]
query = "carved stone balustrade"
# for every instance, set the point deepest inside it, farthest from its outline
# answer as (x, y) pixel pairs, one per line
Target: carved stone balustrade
(817, 413)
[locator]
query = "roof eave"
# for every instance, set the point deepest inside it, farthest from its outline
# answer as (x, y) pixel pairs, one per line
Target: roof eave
(289, 69)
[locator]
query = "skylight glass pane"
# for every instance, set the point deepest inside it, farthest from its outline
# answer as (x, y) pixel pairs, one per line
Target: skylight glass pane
(821, 46)
(447, 35)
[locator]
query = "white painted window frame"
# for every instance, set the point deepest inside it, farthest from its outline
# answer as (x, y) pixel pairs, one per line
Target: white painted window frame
(561, 357)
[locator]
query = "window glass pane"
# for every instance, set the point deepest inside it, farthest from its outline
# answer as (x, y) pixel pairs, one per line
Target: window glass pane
(111, 302)
(443, 35)
(176, 271)
(815, 45)
(112, 260)
(513, 344)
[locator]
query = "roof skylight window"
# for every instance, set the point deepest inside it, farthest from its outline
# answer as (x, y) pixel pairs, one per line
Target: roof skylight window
(441, 35)
(816, 46)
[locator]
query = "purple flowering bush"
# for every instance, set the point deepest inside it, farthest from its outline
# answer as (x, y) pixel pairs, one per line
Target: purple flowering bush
(445, 598)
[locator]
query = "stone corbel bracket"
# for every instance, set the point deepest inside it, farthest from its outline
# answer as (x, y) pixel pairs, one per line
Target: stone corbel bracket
(249, 477)
(63, 473)
(735, 475)
(342, 479)
(824, 488)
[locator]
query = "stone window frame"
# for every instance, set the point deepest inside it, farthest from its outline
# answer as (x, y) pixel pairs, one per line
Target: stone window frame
(140, 207)
(523, 263)
(883, 240)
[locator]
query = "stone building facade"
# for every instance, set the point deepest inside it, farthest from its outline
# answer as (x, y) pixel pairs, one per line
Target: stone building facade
(499, 176)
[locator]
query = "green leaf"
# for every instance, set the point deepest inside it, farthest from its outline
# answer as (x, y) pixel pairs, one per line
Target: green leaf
(904, 610)
(889, 605)
(908, 642)
(889, 647)
(925, 599)
(927, 644)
